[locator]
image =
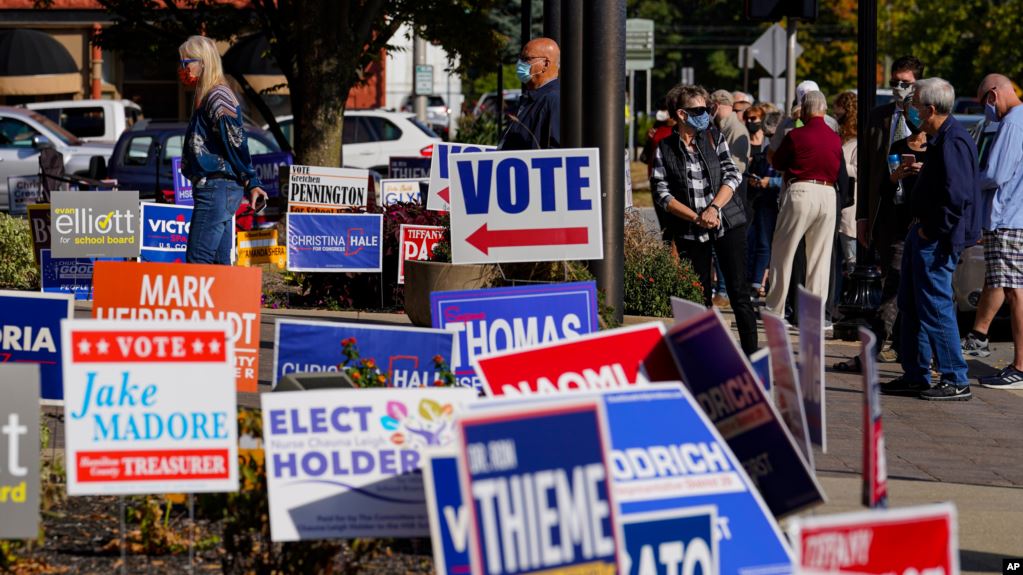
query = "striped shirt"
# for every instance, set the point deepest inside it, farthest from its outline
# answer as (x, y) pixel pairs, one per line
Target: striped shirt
(699, 183)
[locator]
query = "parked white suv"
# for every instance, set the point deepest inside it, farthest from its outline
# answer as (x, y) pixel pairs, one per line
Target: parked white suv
(371, 137)
(91, 120)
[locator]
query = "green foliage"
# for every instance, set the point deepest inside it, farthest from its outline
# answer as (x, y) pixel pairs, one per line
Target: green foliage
(477, 130)
(723, 65)
(365, 372)
(17, 266)
(653, 274)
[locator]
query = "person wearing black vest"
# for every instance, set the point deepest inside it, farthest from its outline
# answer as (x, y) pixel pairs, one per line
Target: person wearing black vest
(694, 180)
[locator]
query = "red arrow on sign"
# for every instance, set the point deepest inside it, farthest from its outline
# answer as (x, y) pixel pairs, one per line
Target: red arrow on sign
(445, 194)
(484, 239)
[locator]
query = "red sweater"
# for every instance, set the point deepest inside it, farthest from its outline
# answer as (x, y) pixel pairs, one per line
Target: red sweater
(813, 152)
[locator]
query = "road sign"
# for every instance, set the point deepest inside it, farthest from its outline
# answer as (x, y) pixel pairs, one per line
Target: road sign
(639, 44)
(424, 79)
(770, 50)
(526, 206)
(772, 90)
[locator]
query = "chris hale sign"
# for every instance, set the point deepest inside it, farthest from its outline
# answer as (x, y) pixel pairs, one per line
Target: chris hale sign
(149, 407)
(95, 225)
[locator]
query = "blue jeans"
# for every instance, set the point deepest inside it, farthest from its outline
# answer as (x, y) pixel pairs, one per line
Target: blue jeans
(209, 235)
(928, 327)
(760, 236)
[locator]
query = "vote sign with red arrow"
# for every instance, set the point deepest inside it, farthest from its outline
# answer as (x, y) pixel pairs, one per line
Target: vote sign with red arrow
(438, 195)
(525, 206)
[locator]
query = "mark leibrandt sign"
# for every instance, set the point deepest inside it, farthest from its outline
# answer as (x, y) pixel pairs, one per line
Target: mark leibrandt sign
(95, 225)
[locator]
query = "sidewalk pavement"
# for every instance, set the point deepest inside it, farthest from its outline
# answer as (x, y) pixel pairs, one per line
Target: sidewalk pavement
(969, 452)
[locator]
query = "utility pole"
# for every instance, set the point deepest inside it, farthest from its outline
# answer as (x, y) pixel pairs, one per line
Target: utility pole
(790, 64)
(419, 59)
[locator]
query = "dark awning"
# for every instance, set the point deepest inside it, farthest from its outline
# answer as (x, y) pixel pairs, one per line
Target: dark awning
(246, 57)
(33, 62)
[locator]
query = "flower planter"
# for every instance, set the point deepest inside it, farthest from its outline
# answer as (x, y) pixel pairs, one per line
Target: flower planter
(423, 278)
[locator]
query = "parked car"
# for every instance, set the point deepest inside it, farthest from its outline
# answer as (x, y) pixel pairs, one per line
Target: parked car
(968, 105)
(91, 120)
(24, 133)
(142, 158)
(438, 115)
(487, 104)
(371, 137)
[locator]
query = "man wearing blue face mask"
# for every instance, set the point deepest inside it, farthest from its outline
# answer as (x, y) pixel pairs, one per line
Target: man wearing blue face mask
(536, 124)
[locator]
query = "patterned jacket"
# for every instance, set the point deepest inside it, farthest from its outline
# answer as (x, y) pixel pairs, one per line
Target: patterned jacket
(215, 141)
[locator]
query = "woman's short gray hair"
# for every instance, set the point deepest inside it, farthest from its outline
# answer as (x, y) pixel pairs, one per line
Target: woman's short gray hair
(814, 104)
(938, 93)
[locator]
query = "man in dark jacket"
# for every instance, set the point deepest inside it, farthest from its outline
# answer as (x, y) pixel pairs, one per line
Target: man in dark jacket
(536, 124)
(945, 204)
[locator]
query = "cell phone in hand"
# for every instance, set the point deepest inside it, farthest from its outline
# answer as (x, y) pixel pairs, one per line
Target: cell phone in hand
(260, 204)
(908, 159)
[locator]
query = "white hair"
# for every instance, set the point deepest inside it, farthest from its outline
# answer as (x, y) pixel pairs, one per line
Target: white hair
(938, 93)
(814, 104)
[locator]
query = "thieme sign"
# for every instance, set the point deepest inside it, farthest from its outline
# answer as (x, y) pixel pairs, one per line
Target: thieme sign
(30, 333)
(417, 244)
(320, 189)
(525, 206)
(409, 167)
(438, 194)
(499, 319)
(149, 407)
(405, 354)
(345, 463)
(19, 451)
(335, 242)
(130, 290)
(94, 225)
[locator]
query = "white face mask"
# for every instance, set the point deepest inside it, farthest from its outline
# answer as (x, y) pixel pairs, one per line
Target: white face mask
(901, 94)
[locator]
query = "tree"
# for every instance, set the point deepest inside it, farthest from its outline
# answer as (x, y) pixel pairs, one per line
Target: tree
(323, 47)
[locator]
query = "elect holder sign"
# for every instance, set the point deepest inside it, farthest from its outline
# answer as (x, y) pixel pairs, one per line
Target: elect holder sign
(525, 206)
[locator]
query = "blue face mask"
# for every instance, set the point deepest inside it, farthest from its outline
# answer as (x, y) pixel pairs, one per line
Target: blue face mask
(913, 117)
(990, 112)
(698, 123)
(522, 71)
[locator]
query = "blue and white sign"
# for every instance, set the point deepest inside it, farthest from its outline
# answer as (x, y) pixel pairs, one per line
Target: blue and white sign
(405, 167)
(525, 206)
(811, 366)
(164, 232)
(722, 381)
(449, 517)
(498, 319)
(401, 191)
(761, 362)
(678, 542)
(30, 333)
(537, 483)
(67, 275)
(439, 193)
(335, 242)
(182, 185)
(267, 167)
(405, 354)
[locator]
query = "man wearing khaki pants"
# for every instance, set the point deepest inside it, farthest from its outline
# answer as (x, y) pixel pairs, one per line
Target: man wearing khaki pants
(810, 157)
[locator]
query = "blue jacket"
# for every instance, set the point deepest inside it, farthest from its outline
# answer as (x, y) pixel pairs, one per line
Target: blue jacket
(215, 141)
(946, 198)
(539, 120)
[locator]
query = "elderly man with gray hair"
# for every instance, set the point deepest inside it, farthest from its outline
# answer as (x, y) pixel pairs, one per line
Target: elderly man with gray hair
(811, 159)
(946, 211)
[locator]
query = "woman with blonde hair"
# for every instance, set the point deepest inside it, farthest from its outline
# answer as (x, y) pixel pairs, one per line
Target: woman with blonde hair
(215, 155)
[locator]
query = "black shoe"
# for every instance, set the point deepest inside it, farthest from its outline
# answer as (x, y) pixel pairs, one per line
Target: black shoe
(947, 391)
(1008, 378)
(902, 386)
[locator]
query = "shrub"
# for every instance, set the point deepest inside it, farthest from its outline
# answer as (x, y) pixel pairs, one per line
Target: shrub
(17, 266)
(653, 274)
(477, 130)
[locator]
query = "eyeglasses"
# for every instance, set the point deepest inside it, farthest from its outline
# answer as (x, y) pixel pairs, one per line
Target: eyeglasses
(900, 84)
(525, 58)
(697, 111)
(186, 61)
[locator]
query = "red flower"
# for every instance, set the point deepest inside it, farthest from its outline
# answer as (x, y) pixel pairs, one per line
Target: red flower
(438, 383)
(356, 376)
(369, 363)
(651, 280)
(438, 359)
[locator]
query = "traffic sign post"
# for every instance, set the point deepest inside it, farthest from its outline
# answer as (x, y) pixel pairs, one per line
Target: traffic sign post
(639, 44)
(424, 79)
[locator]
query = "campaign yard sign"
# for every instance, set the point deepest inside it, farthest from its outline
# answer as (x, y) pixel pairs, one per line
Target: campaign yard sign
(328, 190)
(787, 391)
(438, 194)
(449, 517)
(526, 206)
(195, 292)
(39, 224)
(684, 310)
(258, 247)
(23, 191)
(875, 463)
(19, 451)
(335, 242)
(676, 542)
(612, 359)
(405, 354)
(268, 167)
(417, 244)
(499, 319)
(908, 540)
(149, 407)
(811, 365)
(401, 191)
(95, 225)
(164, 232)
(30, 334)
(409, 167)
(537, 482)
(720, 378)
(344, 463)
(182, 185)
(67, 275)
(761, 363)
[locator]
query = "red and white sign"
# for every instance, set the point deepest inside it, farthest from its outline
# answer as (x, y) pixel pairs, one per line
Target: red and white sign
(149, 407)
(606, 360)
(438, 195)
(417, 244)
(875, 464)
(920, 540)
(525, 206)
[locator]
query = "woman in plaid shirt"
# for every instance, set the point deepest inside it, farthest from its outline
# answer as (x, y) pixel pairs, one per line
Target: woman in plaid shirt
(694, 180)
